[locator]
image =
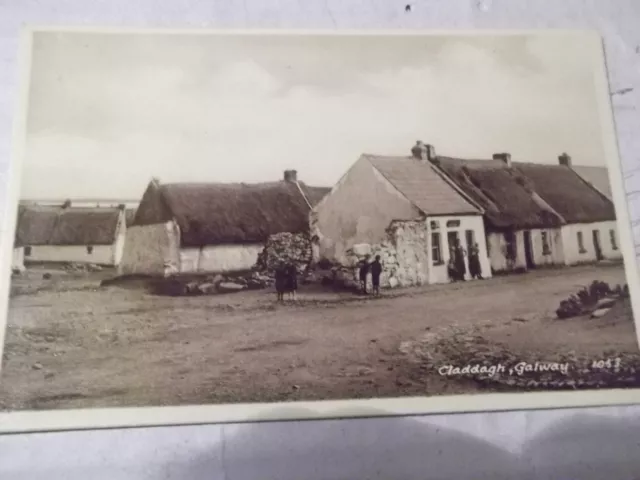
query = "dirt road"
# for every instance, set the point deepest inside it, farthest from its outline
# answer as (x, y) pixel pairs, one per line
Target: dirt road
(82, 346)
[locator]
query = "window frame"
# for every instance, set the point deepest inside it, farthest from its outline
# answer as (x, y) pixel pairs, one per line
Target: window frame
(454, 223)
(436, 248)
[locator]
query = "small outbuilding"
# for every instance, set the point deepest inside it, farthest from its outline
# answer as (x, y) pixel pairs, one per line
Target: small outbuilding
(213, 227)
(68, 235)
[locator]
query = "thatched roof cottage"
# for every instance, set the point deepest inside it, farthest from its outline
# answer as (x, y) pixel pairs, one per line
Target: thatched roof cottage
(68, 234)
(213, 227)
(537, 214)
(405, 207)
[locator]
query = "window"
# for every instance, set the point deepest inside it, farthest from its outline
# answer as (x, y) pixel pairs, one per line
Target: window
(469, 238)
(89, 249)
(435, 225)
(27, 251)
(453, 223)
(546, 249)
(612, 236)
(581, 243)
(436, 251)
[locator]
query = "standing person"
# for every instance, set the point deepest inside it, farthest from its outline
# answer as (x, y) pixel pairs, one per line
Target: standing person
(451, 266)
(280, 278)
(461, 268)
(364, 271)
(376, 270)
(292, 280)
(474, 262)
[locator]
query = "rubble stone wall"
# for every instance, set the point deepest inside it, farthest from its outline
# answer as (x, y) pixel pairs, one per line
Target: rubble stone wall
(404, 256)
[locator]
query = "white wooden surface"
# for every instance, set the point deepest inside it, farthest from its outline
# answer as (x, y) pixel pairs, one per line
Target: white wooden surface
(584, 444)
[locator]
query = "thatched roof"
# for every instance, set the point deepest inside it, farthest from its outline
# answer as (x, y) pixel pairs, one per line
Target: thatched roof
(568, 193)
(596, 176)
(527, 195)
(42, 225)
(424, 186)
(216, 213)
(35, 224)
(505, 194)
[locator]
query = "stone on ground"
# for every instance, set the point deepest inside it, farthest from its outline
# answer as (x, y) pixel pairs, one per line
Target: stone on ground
(601, 312)
(230, 287)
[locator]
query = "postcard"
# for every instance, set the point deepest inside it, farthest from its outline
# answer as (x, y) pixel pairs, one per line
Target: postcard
(258, 225)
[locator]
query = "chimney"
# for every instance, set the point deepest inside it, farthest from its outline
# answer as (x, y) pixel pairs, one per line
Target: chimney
(565, 160)
(291, 176)
(66, 204)
(421, 151)
(503, 157)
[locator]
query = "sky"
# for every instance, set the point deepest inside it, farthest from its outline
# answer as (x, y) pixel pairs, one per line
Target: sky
(109, 111)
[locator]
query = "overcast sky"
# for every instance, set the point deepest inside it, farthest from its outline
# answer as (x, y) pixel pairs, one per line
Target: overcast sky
(108, 112)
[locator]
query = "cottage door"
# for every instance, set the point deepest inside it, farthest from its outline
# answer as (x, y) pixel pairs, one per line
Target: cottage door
(453, 238)
(596, 245)
(528, 249)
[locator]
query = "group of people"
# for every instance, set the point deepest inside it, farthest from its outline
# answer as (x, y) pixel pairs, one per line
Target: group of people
(286, 279)
(457, 267)
(286, 275)
(375, 268)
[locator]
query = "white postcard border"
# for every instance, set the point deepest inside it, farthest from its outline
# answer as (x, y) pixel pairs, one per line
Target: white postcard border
(79, 419)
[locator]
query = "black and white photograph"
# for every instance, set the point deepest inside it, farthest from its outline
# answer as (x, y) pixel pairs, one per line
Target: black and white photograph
(214, 219)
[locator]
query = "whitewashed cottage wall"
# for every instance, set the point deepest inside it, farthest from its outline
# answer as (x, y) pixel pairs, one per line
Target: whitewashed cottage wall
(575, 255)
(219, 258)
(473, 223)
(150, 249)
(497, 248)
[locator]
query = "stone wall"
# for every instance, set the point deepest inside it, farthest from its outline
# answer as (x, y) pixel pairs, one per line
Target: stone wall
(404, 256)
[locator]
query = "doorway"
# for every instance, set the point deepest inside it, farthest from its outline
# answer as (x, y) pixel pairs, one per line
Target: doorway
(453, 238)
(469, 239)
(596, 245)
(528, 249)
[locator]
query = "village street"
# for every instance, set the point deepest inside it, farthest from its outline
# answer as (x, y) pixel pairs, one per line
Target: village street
(95, 346)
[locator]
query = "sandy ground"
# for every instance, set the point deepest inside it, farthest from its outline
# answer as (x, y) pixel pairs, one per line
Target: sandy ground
(72, 344)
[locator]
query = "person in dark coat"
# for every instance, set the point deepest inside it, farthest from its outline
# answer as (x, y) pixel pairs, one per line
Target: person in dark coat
(475, 268)
(364, 271)
(376, 271)
(451, 265)
(292, 281)
(461, 267)
(280, 280)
